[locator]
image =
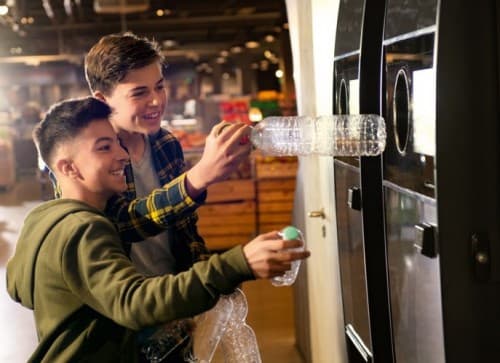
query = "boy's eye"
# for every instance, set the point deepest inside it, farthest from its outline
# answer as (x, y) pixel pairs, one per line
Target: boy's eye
(104, 148)
(139, 94)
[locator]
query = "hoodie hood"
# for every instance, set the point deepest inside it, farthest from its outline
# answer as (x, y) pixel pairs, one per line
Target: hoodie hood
(37, 225)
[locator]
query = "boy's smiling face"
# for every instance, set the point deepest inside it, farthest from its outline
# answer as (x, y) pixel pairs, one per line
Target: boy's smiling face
(139, 100)
(99, 160)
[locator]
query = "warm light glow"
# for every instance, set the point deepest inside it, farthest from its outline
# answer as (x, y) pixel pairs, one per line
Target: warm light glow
(236, 49)
(252, 44)
(254, 114)
(169, 43)
(160, 12)
(224, 53)
(268, 54)
(279, 73)
(270, 38)
(4, 9)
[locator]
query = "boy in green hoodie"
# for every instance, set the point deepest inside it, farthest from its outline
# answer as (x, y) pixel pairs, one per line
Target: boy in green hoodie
(70, 267)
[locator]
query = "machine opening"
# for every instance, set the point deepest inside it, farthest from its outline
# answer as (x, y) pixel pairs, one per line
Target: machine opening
(401, 112)
(343, 110)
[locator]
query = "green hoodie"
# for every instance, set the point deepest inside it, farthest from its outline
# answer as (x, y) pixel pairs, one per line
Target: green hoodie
(69, 267)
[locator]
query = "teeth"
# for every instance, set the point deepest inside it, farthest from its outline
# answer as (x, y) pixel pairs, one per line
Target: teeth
(152, 115)
(118, 172)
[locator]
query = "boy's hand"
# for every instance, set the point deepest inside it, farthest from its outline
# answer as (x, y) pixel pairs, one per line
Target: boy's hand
(267, 255)
(224, 151)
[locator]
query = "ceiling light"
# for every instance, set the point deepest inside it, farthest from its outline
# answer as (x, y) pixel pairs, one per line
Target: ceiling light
(252, 44)
(224, 53)
(255, 114)
(4, 9)
(269, 38)
(169, 43)
(160, 12)
(236, 49)
(268, 54)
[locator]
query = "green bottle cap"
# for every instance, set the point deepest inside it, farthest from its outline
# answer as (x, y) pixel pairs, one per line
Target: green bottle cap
(290, 232)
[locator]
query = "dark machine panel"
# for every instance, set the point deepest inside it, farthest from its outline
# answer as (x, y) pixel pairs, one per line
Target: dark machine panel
(351, 251)
(347, 187)
(414, 277)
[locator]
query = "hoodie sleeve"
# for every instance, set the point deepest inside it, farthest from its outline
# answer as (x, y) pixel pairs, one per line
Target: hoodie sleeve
(97, 270)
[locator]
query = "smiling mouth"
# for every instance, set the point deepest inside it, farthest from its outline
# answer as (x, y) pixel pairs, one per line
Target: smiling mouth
(119, 172)
(152, 116)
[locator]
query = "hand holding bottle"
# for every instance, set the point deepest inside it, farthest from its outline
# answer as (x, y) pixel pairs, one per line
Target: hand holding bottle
(222, 155)
(289, 277)
(269, 255)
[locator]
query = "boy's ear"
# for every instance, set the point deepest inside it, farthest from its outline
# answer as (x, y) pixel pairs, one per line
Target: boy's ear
(67, 168)
(99, 95)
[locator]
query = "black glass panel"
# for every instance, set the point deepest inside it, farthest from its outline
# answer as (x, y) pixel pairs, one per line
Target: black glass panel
(407, 16)
(414, 278)
(349, 25)
(351, 253)
(346, 91)
(411, 114)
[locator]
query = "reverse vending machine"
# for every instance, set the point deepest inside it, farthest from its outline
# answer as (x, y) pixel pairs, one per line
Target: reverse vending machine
(419, 227)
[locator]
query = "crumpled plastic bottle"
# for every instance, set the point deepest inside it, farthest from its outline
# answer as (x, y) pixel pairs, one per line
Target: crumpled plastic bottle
(289, 277)
(239, 343)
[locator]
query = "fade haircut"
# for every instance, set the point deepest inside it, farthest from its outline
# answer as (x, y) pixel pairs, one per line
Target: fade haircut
(109, 61)
(64, 121)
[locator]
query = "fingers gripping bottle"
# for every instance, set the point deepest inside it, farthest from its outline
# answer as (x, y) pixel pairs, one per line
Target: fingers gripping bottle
(288, 278)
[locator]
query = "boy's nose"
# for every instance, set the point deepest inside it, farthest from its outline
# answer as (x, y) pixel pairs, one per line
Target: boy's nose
(154, 101)
(122, 154)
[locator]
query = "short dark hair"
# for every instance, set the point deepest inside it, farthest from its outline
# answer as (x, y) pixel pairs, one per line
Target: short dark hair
(64, 121)
(109, 60)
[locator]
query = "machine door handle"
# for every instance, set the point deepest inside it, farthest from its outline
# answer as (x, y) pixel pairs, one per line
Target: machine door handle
(354, 198)
(317, 214)
(425, 240)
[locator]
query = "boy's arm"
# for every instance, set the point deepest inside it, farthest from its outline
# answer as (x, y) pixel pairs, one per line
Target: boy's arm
(97, 270)
(165, 207)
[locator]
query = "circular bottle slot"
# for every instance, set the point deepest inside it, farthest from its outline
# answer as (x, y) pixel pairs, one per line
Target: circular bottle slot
(343, 98)
(401, 111)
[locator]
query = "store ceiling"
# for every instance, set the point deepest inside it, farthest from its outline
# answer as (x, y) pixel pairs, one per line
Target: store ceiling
(50, 30)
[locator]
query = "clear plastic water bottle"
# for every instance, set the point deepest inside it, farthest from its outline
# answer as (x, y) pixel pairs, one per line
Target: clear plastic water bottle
(289, 277)
(239, 343)
(210, 328)
(331, 135)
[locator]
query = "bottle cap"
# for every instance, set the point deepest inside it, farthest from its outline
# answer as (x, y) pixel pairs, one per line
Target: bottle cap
(290, 232)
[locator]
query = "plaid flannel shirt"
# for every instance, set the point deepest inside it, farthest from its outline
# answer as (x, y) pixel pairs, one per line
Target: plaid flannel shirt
(168, 207)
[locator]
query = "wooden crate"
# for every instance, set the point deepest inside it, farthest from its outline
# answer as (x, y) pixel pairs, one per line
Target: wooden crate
(231, 190)
(275, 167)
(275, 203)
(229, 216)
